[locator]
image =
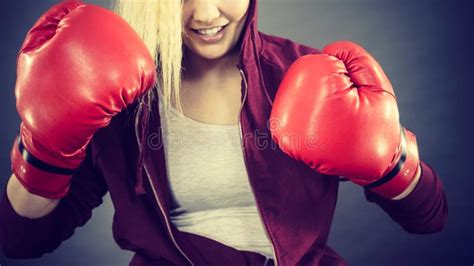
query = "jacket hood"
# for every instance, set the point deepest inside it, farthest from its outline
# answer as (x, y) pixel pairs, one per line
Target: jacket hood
(250, 43)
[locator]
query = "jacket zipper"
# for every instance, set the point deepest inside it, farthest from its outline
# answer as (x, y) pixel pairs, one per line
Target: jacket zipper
(155, 196)
(245, 162)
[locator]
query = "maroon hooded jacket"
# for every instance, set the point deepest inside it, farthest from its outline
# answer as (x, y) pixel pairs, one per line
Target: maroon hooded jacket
(296, 204)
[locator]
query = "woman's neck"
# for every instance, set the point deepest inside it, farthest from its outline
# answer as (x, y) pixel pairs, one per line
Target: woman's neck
(198, 68)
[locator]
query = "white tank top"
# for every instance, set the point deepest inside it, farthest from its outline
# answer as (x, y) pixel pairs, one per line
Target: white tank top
(211, 194)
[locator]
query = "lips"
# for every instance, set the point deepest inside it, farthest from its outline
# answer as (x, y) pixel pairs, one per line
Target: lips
(209, 35)
(210, 30)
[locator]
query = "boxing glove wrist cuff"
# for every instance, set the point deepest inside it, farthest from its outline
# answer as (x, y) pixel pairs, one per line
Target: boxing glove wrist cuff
(403, 173)
(38, 177)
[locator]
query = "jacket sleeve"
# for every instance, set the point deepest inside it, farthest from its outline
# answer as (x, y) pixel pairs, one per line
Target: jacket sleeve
(424, 210)
(22, 237)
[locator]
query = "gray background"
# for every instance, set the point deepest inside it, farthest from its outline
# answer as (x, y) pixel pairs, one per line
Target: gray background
(425, 49)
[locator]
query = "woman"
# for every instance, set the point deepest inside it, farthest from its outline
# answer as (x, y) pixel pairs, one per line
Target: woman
(179, 200)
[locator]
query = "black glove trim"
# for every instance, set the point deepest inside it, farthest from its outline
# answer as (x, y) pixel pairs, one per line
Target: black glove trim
(29, 158)
(394, 172)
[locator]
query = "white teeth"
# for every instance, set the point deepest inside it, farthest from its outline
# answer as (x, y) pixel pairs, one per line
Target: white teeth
(209, 32)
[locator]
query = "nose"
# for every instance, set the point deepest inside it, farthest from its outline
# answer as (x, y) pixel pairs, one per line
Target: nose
(205, 11)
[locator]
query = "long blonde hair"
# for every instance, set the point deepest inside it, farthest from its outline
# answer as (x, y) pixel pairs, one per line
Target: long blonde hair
(159, 24)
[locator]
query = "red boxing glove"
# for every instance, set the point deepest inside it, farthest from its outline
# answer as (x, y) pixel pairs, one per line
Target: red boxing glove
(79, 66)
(338, 113)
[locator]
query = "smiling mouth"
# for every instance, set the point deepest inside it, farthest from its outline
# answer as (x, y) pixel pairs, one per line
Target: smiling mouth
(209, 31)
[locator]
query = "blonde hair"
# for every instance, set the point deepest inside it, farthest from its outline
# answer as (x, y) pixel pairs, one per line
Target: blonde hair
(159, 24)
